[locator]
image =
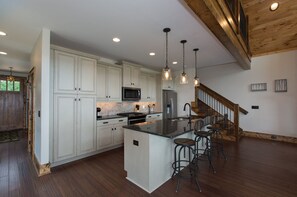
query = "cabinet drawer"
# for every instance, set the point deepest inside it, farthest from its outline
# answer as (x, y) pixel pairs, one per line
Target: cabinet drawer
(111, 121)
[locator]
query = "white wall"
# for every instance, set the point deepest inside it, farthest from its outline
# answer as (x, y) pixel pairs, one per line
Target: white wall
(40, 59)
(277, 113)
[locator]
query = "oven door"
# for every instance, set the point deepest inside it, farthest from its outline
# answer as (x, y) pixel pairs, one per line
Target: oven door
(136, 120)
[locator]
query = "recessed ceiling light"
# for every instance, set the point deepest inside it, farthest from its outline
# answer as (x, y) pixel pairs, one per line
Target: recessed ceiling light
(2, 33)
(3, 53)
(274, 6)
(174, 62)
(152, 54)
(116, 39)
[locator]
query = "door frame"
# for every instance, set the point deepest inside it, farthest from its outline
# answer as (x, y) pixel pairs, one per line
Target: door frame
(31, 122)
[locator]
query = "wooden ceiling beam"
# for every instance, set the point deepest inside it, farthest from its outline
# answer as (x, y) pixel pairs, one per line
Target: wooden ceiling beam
(211, 13)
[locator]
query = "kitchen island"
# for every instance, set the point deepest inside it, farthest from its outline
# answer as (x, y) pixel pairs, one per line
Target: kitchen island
(148, 150)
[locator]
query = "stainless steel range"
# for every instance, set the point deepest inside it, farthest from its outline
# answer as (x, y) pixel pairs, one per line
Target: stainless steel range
(134, 117)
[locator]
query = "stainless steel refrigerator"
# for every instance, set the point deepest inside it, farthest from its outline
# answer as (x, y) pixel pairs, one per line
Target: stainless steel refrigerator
(169, 104)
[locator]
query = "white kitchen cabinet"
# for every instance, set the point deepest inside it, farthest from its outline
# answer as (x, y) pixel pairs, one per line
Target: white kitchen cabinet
(148, 87)
(74, 74)
(131, 76)
(110, 132)
(74, 125)
(152, 117)
(65, 110)
(167, 84)
(86, 121)
(109, 83)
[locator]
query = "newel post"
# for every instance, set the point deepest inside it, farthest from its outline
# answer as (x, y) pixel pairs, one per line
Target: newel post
(236, 121)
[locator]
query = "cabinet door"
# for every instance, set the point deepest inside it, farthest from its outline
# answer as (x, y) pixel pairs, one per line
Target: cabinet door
(167, 85)
(65, 110)
(135, 76)
(87, 75)
(104, 136)
(86, 135)
(114, 84)
(118, 133)
(65, 73)
(144, 87)
(102, 83)
(151, 88)
(127, 71)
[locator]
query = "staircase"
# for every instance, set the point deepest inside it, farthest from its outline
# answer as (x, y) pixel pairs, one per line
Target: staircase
(218, 111)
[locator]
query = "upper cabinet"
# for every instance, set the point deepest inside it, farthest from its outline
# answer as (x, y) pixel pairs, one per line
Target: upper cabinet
(74, 73)
(148, 87)
(109, 83)
(167, 84)
(131, 75)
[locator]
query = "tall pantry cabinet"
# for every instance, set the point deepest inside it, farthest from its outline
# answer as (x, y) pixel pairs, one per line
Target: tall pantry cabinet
(74, 113)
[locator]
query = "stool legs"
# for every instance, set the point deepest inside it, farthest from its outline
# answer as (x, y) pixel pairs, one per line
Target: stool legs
(177, 165)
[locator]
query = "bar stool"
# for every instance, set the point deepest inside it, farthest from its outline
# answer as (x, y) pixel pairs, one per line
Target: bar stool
(217, 140)
(201, 136)
(179, 164)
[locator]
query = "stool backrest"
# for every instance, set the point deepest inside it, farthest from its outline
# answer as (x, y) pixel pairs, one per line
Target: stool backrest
(198, 125)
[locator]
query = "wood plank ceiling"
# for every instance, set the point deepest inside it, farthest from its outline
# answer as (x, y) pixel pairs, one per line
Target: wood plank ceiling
(271, 31)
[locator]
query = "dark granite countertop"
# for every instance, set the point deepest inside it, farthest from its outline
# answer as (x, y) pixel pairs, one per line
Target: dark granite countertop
(165, 128)
(109, 117)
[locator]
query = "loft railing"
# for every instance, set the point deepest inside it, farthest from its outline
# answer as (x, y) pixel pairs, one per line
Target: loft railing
(219, 109)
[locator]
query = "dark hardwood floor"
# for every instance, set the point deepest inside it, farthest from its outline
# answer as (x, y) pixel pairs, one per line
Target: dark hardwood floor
(254, 168)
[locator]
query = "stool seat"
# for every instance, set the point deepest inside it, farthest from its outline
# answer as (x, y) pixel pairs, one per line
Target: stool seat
(203, 133)
(184, 142)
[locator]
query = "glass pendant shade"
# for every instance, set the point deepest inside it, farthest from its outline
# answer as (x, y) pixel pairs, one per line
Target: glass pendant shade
(183, 76)
(196, 79)
(166, 72)
(196, 82)
(10, 77)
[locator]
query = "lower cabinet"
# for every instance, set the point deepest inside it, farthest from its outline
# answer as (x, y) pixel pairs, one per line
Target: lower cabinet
(74, 126)
(151, 117)
(110, 132)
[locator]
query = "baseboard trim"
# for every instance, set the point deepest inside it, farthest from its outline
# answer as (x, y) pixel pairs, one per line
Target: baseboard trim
(43, 169)
(268, 136)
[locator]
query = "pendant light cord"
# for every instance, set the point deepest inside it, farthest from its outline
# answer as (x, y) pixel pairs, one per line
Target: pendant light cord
(166, 51)
(183, 42)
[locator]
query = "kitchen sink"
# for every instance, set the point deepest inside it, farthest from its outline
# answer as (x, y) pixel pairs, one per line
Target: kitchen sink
(179, 119)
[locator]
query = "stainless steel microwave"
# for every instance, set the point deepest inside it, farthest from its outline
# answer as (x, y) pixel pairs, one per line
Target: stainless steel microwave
(131, 94)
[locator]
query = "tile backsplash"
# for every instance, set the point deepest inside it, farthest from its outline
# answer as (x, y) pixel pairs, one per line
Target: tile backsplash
(112, 108)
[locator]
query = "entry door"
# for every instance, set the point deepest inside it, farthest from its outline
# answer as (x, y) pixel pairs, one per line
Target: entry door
(12, 103)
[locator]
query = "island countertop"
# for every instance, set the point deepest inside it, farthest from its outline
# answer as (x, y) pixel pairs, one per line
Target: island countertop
(164, 128)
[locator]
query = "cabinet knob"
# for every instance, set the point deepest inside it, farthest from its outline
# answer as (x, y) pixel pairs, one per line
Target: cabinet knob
(106, 96)
(79, 89)
(74, 88)
(112, 129)
(75, 99)
(115, 128)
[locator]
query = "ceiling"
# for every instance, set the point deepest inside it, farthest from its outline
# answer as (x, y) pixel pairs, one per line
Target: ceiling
(90, 27)
(271, 32)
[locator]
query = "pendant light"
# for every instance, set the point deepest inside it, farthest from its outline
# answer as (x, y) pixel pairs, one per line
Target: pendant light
(166, 73)
(10, 77)
(183, 76)
(196, 79)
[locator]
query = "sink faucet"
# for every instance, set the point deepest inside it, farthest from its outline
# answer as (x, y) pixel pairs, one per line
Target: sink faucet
(189, 109)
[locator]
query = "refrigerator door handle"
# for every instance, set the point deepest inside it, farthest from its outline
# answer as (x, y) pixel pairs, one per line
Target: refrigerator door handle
(172, 107)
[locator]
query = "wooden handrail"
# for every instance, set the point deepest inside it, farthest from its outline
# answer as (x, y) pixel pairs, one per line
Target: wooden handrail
(219, 97)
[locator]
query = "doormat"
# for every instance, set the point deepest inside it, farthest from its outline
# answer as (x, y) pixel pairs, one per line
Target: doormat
(9, 136)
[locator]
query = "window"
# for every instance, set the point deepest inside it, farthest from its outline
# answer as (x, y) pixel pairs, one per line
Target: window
(10, 86)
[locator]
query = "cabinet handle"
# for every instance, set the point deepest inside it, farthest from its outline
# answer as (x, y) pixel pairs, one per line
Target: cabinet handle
(112, 129)
(79, 89)
(79, 99)
(106, 96)
(121, 120)
(74, 88)
(75, 99)
(169, 87)
(105, 122)
(158, 115)
(115, 128)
